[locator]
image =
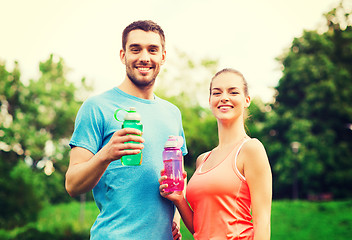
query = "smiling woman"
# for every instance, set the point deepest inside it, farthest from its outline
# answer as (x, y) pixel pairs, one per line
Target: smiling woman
(233, 179)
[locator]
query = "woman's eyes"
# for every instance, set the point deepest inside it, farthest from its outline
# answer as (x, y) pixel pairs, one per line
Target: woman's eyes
(232, 93)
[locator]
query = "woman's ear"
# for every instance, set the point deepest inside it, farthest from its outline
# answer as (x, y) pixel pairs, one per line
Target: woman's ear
(248, 102)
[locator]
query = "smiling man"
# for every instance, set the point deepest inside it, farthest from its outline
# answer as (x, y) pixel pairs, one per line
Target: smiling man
(127, 197)
(143, 54)
(142, 58)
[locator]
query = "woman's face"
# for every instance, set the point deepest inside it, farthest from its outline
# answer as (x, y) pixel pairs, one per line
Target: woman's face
(227, 99)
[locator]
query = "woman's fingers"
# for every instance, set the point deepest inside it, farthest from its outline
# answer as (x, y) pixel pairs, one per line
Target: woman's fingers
(162, 179)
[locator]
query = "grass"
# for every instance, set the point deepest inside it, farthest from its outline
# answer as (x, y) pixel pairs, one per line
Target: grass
(311, 220)
(73, 216)
(291, 220)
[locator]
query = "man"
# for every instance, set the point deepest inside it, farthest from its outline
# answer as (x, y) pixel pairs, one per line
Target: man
(127, 197)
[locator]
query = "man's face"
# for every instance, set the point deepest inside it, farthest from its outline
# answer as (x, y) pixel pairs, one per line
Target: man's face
(143, 57)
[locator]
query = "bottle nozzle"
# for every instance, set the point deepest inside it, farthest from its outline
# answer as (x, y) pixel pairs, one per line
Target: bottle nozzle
(174, 141)
(132, 109)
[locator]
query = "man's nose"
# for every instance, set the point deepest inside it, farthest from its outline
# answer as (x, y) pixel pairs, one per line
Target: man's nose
(144, 57)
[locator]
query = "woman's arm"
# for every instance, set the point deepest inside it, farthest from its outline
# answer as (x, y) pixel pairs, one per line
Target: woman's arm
(257, 172)
(179, 199)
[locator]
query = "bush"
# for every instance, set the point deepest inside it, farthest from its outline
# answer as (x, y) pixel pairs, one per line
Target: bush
(21, 196)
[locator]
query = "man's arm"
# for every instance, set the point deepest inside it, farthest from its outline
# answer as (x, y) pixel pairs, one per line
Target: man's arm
(85, 168)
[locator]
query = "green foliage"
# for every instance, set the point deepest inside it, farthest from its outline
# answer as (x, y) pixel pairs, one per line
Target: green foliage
(257, 117)
(313, 108)
(21, 196)
(36, 122)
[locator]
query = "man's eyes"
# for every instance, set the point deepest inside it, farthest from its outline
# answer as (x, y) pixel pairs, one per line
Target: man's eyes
(135, 50)
(153, 50)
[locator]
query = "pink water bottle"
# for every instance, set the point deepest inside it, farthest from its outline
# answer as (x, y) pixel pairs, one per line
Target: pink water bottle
(172, 158)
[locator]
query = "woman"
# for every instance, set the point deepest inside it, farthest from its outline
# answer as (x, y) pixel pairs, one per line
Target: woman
(231, 180)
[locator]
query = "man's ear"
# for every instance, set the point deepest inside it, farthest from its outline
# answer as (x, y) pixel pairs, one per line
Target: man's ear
(122, 56)
(163, 57)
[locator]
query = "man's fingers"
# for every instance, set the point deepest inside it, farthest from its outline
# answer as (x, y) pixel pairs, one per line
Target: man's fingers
(131, 146)
(125, 131)
(130, 138)
(176, 232)
(129, 152)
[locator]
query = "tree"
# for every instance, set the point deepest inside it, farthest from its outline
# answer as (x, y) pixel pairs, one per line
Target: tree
(36, 122)
(313, 108)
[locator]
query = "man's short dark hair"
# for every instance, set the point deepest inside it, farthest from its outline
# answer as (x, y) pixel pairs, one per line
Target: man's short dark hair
(145, 25)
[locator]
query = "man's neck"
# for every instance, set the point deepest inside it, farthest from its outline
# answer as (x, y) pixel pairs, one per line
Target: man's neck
(145, 93)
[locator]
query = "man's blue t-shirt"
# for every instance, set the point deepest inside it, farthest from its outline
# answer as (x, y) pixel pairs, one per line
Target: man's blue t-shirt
(128, 196)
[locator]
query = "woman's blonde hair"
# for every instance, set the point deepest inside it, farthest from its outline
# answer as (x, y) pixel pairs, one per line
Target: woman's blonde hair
(234, 71)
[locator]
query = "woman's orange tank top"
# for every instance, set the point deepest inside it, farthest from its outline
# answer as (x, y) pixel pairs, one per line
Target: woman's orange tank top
(221, 201)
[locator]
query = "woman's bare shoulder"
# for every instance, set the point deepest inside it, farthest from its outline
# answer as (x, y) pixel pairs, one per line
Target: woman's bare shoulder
(254, 151)
(200, 158)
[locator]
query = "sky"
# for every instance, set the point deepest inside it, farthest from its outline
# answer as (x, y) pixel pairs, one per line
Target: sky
(245, 35)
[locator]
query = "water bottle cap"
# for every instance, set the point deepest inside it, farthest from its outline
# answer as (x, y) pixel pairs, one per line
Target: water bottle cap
(132, 114)
(174, 142)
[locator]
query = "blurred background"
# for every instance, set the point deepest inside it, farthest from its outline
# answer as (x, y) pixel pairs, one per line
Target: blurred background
(296, 56)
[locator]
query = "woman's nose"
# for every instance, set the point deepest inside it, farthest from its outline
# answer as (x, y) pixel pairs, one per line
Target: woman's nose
(224, 98)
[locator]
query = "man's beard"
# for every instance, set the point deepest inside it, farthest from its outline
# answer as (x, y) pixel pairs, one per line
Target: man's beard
(140, 84)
